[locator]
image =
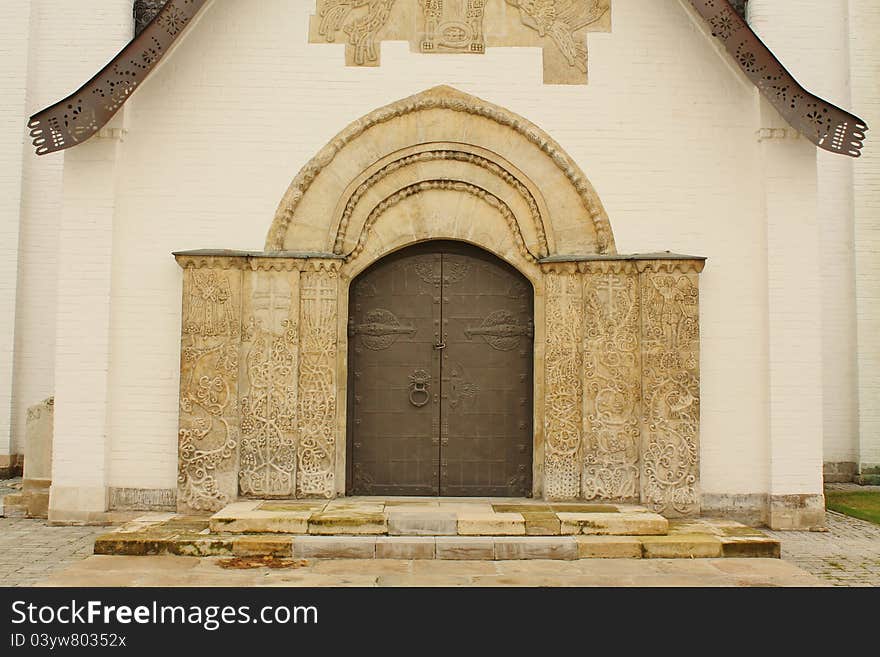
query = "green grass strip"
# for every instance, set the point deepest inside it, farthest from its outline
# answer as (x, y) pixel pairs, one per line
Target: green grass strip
(862, 505)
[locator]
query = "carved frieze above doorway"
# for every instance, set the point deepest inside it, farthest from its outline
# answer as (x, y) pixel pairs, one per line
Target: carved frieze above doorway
(560, 27)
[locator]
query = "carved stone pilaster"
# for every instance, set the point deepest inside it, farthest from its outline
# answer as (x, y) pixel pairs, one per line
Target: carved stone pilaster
(612, 381)
(562, 362)
(318, 386)
(670, 386)
(268, 382)
(209, 423)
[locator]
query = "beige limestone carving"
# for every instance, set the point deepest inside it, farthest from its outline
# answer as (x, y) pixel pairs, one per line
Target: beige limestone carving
(612, 382)
(264, 347)
(422, 157)
(318, 392)
(670, 386)
(454, 26)
(562, 359)
(268, 384)
(209, 423)
(448, 185)
(305, 214)
(559, 27)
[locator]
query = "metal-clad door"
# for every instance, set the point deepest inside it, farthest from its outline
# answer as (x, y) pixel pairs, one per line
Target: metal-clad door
(395, 376)
(440, 384)
(486, 414)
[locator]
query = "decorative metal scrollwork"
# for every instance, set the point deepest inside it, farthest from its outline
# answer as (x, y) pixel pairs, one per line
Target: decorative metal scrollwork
(827, 126)
(380, 330)
(501, 330)
(419, 394)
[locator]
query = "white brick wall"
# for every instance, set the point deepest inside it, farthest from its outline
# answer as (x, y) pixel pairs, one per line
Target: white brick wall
(62, 47)
(865, 46)
(14, 28)
(814, 45)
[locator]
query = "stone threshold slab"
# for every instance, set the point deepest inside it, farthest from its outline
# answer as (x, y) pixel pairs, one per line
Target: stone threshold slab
(435, 517)
(474, 548)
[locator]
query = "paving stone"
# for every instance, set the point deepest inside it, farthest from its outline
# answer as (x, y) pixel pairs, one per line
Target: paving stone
(681, 546)
(132, 544)
(347, 522)
(542, 523)
(535, 547)
(262, 546)
(422, 523)
(571, 507)
(608, 547)
(261, 522)
(465, 547)
(202, 547)
(494, 524)
(405, 547)
(334, 547)
(750, 546)
(617, 524)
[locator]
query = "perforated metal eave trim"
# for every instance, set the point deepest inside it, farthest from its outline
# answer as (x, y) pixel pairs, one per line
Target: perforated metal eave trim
(81, 115)
(824, 124)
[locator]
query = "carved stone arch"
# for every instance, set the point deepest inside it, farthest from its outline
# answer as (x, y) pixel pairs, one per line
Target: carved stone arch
(488, 147)
(474, 167)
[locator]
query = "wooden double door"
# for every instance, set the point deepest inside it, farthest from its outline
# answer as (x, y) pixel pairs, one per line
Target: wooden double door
(440, 375)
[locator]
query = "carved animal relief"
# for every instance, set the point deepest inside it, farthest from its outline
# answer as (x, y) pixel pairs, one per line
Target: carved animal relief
(560, 27)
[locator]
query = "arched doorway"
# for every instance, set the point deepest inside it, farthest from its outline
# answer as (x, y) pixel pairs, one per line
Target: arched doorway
(440, 375)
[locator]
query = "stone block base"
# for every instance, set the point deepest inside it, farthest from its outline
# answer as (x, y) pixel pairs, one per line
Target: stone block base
(11, 465)
(78, 505)
(839, 472)
(747, 508)
(797, 512)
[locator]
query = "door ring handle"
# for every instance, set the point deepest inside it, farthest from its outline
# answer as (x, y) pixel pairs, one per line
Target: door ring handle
(420, 382)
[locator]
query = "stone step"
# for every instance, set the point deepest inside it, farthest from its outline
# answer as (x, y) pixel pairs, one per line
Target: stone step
(471, 518)
(187, 542)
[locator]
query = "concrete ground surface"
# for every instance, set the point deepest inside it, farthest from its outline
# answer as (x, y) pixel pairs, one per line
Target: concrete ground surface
(193, 571)
(33, 553)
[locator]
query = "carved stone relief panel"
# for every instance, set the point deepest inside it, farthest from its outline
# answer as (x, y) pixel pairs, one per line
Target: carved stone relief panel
(318, 386)
(209, 422)
(268, 383)
(562, 363)
(670, 386)
(612, 381)
(453, 26)
(465, 26)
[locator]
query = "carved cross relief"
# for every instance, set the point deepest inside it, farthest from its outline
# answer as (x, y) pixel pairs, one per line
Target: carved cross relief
(559, 27)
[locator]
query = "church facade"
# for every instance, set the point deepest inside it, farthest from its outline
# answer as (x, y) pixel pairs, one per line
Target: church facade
(602, 250)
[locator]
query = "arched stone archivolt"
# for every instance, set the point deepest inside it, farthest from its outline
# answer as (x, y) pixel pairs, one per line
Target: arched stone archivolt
(397, 141)
(457, 186)
(474, 167)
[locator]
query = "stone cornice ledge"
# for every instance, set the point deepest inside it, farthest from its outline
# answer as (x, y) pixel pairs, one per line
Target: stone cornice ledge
(256, 260)
(635, 262)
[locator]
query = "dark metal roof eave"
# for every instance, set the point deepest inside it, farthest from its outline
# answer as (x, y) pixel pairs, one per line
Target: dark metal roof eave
(81, 115)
